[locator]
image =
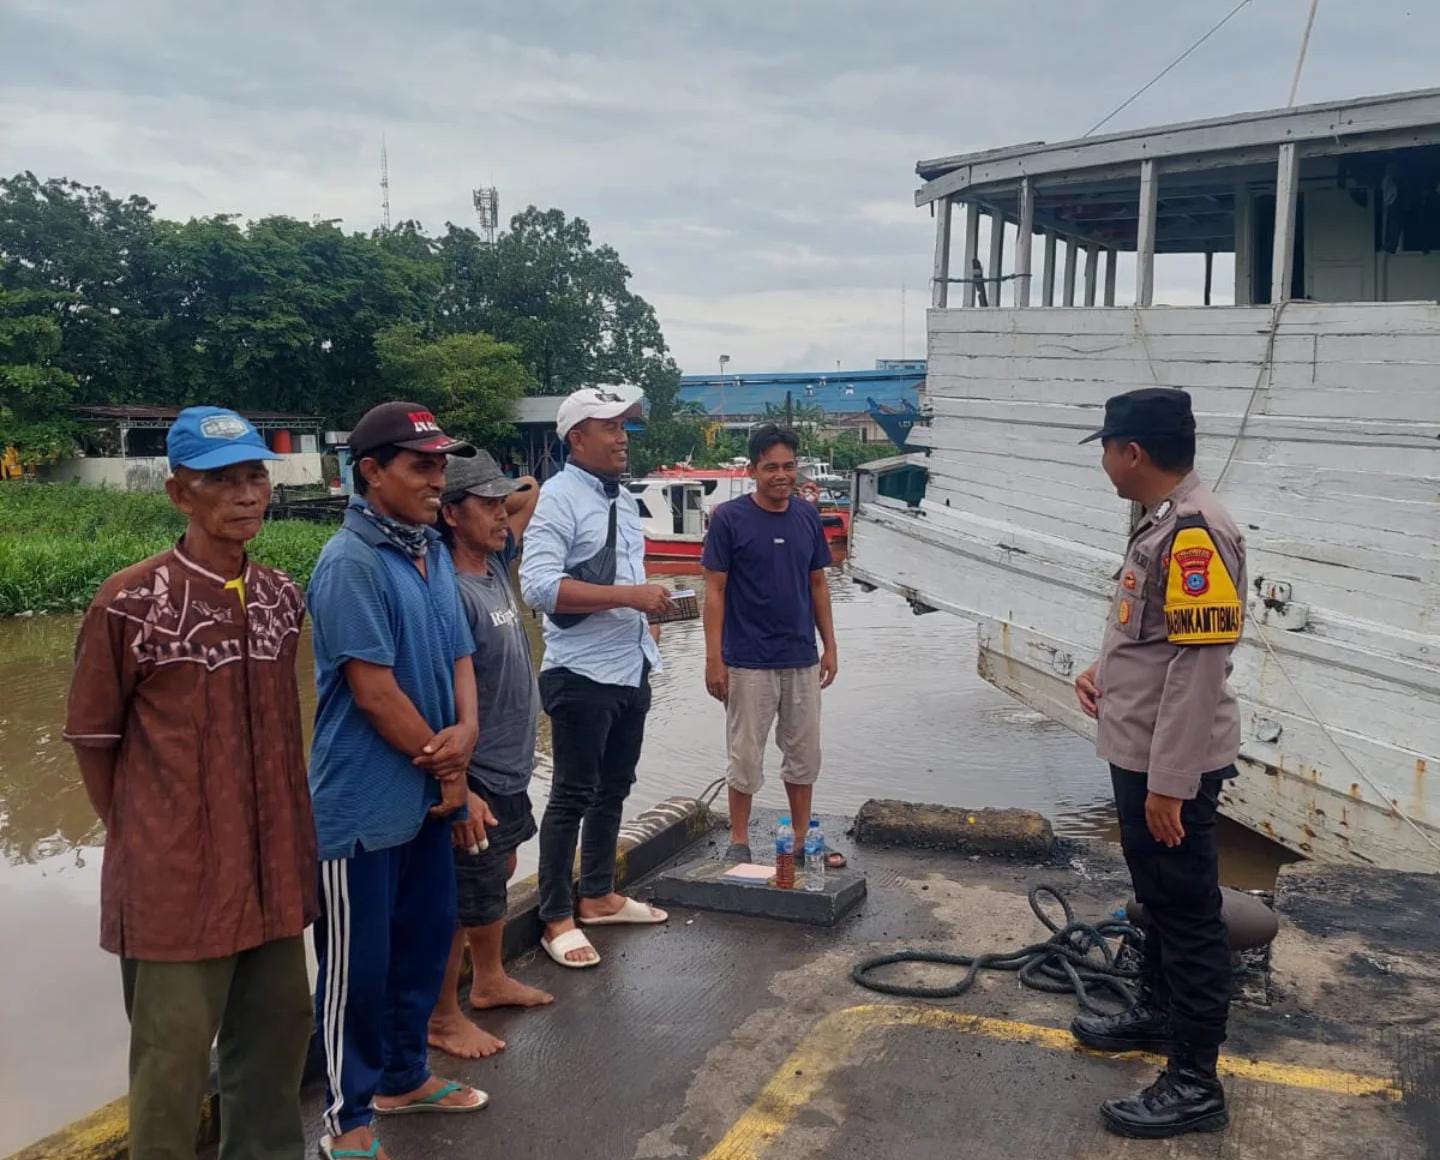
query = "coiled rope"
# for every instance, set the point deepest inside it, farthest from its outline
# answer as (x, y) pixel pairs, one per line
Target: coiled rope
(1076, 959)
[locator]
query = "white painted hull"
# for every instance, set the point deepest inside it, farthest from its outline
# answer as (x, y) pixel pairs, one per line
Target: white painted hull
(1335, 484)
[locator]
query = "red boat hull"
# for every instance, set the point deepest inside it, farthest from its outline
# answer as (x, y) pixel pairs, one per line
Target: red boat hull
(687, 549)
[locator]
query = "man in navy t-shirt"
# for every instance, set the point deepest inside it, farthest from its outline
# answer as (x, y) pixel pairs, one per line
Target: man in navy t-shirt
(765, 597)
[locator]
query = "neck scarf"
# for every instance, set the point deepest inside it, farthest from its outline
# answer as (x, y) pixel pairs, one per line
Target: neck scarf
(411, 539)
(611, 483)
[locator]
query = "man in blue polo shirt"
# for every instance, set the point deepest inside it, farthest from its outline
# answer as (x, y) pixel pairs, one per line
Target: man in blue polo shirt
(395, 726)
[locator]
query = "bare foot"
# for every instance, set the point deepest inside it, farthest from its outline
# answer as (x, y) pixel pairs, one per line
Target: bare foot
(359, 1140)
(455, 1035)
(506, 992)
(554, 930)
(461, 1097)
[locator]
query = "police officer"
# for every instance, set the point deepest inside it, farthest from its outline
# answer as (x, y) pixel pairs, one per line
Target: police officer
(1169, 726)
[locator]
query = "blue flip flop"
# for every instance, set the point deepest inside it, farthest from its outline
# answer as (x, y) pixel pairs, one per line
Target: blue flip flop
(431, 1103)
(329, 1152)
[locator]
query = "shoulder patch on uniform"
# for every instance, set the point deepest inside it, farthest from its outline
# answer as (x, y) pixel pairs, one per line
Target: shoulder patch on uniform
(1202, 605)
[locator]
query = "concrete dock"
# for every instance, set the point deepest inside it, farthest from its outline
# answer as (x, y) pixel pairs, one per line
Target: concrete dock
(721, 1037)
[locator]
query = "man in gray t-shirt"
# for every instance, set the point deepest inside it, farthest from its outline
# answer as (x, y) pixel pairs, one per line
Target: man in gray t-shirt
(483, 518)
(504, 756)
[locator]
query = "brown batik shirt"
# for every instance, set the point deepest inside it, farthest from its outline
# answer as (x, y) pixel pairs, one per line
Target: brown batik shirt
(210, 845)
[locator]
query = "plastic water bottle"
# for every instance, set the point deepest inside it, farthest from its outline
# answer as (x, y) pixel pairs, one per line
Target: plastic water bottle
(785, 854)
(814, 858)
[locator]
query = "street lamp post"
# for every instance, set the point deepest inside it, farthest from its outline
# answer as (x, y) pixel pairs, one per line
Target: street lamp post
(724, 359)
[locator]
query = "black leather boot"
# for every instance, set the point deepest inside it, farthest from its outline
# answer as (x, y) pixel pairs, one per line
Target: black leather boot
(1145, 1027)
(1186, 1098)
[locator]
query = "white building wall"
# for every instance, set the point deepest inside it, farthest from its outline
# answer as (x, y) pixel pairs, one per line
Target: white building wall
(148, 473)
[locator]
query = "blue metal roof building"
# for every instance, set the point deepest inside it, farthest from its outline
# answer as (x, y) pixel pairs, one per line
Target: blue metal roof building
(834, 392)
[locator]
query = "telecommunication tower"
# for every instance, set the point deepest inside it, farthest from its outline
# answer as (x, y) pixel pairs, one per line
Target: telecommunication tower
(384, 188)
(487, 209)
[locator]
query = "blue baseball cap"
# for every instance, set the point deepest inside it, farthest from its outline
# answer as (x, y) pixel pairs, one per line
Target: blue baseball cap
(204, 438)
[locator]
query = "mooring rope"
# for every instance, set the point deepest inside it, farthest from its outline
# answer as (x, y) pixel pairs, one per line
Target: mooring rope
(1076, 959)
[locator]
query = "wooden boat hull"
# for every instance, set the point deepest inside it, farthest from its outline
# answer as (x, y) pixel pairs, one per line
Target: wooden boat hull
(1334, 482)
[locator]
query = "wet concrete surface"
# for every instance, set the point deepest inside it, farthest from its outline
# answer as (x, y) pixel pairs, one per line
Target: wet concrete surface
(719, 1037)
(907, 718)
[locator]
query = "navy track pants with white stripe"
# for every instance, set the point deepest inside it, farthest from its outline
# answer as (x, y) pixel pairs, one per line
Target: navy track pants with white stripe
(387, 918)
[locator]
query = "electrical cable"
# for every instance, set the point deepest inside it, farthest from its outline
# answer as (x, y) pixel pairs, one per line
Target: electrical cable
(1158, 76)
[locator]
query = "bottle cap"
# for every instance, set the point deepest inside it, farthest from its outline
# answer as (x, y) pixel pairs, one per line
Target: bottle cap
(784, 819)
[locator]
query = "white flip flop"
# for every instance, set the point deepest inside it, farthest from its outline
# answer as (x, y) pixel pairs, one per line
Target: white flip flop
(572, 940)
(633, 913)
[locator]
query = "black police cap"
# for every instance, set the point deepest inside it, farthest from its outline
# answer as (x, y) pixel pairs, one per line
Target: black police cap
(1150, 412)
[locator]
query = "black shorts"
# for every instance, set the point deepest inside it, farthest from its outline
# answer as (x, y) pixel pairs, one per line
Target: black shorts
(480, 879)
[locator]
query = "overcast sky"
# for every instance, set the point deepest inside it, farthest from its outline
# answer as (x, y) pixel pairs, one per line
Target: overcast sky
(753, 162)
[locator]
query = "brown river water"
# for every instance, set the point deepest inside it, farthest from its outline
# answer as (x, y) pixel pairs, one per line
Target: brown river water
(906, 718)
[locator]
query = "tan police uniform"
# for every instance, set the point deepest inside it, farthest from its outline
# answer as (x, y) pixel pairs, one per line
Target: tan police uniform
(1166, 707)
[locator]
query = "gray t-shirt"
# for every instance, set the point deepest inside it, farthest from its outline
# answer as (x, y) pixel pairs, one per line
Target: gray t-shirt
(504, 755)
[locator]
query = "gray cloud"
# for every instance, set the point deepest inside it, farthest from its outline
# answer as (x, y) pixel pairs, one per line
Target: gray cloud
(753, 163)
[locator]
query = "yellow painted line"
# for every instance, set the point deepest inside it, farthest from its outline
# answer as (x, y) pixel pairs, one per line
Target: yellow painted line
(832, 1040)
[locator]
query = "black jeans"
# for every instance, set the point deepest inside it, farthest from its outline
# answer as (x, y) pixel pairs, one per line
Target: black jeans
(596, 733)
(1187, 948)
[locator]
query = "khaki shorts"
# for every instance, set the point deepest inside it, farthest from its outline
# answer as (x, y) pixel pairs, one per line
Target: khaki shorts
(789, 699)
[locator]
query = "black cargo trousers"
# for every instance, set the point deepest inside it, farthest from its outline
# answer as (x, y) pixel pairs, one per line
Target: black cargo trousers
(1187, 947)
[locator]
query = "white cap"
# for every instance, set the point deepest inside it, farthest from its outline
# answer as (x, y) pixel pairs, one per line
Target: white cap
(603, 402)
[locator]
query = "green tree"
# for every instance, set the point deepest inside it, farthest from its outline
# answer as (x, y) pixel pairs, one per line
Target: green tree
(278, 314)
(33, 391)
(564, 301)
(62, 237)
(470, 381)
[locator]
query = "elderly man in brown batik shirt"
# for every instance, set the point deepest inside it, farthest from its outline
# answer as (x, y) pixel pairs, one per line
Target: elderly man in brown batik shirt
(185, 719)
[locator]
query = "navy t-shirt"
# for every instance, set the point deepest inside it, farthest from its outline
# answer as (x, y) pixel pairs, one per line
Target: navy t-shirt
(768, 556)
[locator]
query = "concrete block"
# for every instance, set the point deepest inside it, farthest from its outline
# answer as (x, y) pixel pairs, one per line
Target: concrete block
(702, 886)
(1019, 833)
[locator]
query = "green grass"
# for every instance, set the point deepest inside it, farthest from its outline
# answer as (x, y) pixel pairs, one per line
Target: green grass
(59, 542)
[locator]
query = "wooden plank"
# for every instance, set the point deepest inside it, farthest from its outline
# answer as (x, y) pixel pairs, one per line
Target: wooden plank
(1112, 263)
(1075, 582)
(1330, 318)
(1145, 235)
(1410, 462)
(1244, 251)
(1072, 252)
(1291, 479)
(1421, 353)
(997, 257)
(972, 250)
(1282, 263)
(1408, 417)
(940, 281)
(1024, 243)
(1218, 137)
(1047, 291)
(1199, 171)
(1319, 359)
(1092, 270)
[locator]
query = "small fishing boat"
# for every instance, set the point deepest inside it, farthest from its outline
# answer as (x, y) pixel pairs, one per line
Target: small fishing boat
(676, 504)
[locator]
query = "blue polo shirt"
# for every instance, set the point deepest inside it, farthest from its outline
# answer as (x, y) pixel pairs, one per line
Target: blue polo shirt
(368, 602)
